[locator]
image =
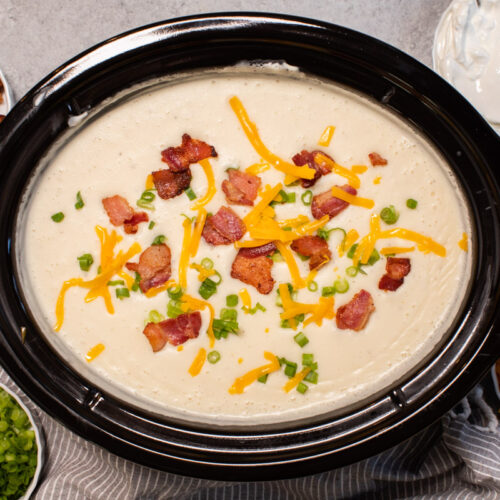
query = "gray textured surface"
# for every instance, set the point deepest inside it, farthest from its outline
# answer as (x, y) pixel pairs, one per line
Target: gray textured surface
(38, 36)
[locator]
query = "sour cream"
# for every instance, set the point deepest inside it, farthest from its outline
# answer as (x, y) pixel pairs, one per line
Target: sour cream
(113, 151)
(467, 53)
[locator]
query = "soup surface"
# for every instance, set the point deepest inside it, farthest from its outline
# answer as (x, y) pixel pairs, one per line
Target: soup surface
(258, 372)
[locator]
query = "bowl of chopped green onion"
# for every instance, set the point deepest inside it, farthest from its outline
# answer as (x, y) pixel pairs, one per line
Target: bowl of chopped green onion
(21, 448)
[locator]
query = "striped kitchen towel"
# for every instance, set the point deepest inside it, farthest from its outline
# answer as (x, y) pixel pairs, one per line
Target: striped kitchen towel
(456, 458)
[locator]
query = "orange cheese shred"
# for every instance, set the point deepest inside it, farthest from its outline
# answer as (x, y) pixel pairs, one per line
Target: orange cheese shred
(184, 259)
(396, 250)
(211, 189)
(463, 243)
(350, 238)
(149, 182)
(250, 129)
(198, 229)
(94, 352)
(286, 253)
(351, 176)
(198, 362)
(296, 380)
(152, 292)
(352, 199)
(326, 136)
(189, 302)
(257, 168)
(250, 377)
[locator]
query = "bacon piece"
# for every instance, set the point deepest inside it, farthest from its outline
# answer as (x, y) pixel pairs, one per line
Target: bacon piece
(223, 228)
(255, 271)
(397, 269)
(241, 188)
(154, 266)
(314, 247)
(307, 158)
(354, 315)
(175, 331)
(169, 184)
(377, 160)
(190, 151)
(262, 251)
(1, 118)
(326, 204)
(120, 212)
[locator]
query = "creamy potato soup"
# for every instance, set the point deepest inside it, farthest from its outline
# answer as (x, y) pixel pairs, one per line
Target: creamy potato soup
(244, 247)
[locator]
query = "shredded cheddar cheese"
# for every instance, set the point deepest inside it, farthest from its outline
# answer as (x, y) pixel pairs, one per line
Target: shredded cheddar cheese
(377, 180)
(293, 172)
(250, 377)
(326, 136)
(267, 196)
(258, 168)
(246, 299)
(286, 253)
(352, 199)
(351, 177)
(203, 273)
(211, 189)
(350, 238)
(251, 243)
(198, 229)
(184, 259)
(180, 348)
(98, 287)
(198, 362)
(94, 352)
(149, 182)
(359, 169)
(312, 274)
(189, 302)
(296, 380)
(395, 250)
(152, 292)
(463, 243)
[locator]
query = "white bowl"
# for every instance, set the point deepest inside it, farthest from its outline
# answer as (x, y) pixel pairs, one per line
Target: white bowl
(8, 98)
(40, 441)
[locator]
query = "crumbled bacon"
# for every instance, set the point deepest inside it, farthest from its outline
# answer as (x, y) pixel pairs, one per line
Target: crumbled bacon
(120, 212)
(377, 160)
(314, 247)
(262, 251)
(397, 269)
(308, 158)
(326, 204)
(175, 331)
(223, 228)
(190, 151)
(241, 188)
(354, 315)
(254, 271)
(169, 184)
(154, 266)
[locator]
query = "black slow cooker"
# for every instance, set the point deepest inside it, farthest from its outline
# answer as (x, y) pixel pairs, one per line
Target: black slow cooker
(366, 65)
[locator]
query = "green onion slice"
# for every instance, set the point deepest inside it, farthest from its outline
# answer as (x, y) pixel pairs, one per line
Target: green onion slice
(160, 239)
(302, 388)
(263, 378)
(85, 261)
(175, 292)
(341, 286)
(307, 197)
(207, 263)
(151, 225)
(115, 283)
(58, 217)
(328, 291)
(155, 317)
(307, 359)
(312, 377)
(312, 286)
(190, 193)
(325, 233)
(213, 357)
(411, 203)
(389, 214)
(231, 300)
(301, 339)
(122, 293)
(351, 271)
(79, 201)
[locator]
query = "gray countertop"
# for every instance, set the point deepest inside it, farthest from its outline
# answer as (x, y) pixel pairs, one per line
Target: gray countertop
(38, 36)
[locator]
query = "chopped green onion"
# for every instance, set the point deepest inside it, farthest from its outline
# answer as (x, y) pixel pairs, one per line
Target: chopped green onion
(312, 286)
(301, 339)
(207, 288)
(290, 369)
(122, 293)
(207, 263)
(286, 324)
(312, 377)
(389, 214)
(360, 269)
(287, 228)
(374, 257)
(328, 291)
(325, 233)
(155, 317)
(190, 193)
(253, 310)
(79, 202)
(231, 314)
(277, 257)
(58, 217)
(145, 205)
(351, 271)
(151, 225)
(352, 250)
(341, 286)
(148, 196)
(218, 276)
(137, 280)
(411, 203)
(99, 270)
(213, 357)
(307, 359)
(231, 300)
(307, 197)
(115, 283)
(263, 378)
(303, 258)
(174, 308)
(159, 240)
(285, 198)
(302, 388)
(175, 292)
(85, 261)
